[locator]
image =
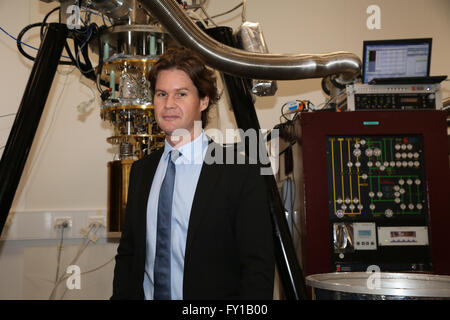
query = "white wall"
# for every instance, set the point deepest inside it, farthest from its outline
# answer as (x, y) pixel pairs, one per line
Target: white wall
(66, 171)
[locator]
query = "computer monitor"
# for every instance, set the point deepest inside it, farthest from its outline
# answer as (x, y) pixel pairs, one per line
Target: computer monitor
(396, 58)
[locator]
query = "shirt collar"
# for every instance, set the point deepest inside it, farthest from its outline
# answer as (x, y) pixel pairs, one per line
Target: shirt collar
(192, 152)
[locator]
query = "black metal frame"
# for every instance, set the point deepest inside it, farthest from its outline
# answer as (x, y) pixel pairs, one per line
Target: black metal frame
(291, 274)
(28, 116)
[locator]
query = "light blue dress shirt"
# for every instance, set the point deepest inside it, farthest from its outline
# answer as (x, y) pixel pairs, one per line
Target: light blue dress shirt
(188, 167)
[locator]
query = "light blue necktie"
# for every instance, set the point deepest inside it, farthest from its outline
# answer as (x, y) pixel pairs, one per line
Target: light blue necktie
(162, 283)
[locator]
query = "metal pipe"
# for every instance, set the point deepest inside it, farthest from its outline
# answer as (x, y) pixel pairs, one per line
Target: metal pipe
(248, 64)
(27, 119)
(446, 102)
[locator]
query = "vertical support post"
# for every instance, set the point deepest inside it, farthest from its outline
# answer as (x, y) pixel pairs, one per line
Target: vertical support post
(28, 116)
(291, 275)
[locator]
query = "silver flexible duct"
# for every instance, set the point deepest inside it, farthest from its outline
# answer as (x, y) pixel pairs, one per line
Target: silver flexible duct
(446, 102)
(248, 64)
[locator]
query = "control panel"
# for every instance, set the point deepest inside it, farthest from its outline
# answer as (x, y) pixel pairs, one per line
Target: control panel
(365, 97)
(376, 175)
(375, 187)
(377, 201)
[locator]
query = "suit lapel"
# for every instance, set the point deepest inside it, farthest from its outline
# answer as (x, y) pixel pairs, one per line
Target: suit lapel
(148, 174)
(206, 185)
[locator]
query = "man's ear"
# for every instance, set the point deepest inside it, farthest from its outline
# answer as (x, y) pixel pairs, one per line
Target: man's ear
(204, 103)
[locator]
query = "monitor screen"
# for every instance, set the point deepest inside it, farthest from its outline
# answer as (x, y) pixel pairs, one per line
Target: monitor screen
(396, 58)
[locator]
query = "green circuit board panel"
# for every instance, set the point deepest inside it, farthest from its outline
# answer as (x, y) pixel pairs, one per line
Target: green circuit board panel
(376, 176)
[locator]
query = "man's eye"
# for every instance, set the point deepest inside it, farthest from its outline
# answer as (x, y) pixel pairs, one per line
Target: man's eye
(161, 94)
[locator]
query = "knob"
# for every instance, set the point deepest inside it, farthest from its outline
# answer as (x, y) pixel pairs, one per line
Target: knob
(377, 152)
(357, 152)
(388, 213)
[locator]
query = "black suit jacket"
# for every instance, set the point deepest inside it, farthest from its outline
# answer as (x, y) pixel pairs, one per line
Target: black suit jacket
(229, 247)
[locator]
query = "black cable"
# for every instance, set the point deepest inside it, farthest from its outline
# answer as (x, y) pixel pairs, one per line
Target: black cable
(19, 39)
(80, 45)
(44, 22)
(80, 38)
(324, 86)
(81, 41)
(19, 43)
(103, 19)
(100, 62)
(66, 46)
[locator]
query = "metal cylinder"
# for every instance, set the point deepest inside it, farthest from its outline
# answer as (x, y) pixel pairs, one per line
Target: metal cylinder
(118, 181)
(379, 286)
(126, 41)
(121, 11)
(250, 38)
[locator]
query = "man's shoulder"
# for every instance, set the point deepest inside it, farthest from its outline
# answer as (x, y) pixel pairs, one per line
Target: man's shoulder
(149, 159)
(230, 158)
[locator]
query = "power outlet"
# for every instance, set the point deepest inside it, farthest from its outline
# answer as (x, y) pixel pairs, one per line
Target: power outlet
(62, 222)
(99, 220)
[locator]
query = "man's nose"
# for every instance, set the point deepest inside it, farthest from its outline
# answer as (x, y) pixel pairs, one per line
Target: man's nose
(170, 102)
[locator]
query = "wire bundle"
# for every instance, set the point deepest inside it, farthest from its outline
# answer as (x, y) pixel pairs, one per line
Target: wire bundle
(80, 38)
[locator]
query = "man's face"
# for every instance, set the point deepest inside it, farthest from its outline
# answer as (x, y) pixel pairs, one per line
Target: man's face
(176, 101)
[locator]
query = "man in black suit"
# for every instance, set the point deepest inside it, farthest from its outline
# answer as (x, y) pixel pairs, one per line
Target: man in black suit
(221, 243)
